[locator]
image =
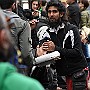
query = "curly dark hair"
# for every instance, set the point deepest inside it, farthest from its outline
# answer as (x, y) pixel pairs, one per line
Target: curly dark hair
(58, 5)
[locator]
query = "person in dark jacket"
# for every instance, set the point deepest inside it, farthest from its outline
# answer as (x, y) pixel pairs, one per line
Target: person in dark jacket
(73, 12)
(65, 38)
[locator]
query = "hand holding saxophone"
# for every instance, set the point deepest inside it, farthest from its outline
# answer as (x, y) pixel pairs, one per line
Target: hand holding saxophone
(48, 46)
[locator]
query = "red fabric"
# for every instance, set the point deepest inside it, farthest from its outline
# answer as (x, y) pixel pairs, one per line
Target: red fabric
(88, 77)
(69, 83)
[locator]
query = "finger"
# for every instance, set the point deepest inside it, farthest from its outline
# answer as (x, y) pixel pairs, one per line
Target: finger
(45, 48)
(45, 43)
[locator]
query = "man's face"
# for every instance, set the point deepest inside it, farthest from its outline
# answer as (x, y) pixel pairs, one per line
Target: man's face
(53, 14)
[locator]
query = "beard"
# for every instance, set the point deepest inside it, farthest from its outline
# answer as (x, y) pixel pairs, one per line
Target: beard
(54, 23)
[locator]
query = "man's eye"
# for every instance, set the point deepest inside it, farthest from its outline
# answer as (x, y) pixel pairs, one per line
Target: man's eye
(49, 11)
(54, 11)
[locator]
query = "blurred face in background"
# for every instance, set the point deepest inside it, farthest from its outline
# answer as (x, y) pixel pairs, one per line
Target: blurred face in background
(35, 5)
(81, 5)
(70, 1)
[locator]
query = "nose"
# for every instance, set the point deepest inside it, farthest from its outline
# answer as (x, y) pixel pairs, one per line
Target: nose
(51, 13)
(35, 5)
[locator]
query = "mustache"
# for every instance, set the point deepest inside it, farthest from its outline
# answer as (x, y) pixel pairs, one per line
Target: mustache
(52, 19)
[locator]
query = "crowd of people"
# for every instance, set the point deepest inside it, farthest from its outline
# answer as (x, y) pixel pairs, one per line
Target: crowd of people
(48, 26)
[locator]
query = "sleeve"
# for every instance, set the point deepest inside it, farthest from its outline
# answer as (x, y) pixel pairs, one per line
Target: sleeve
(42, 32)
(74, 51)
(25, 40)
(26, 44)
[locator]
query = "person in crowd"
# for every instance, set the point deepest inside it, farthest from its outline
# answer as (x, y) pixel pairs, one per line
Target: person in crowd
(37, 13)
(19, 9)
(35, 6)
(41, 73)
(64, 3)
(65, 38)
(43, 4)
(41, 16)
(83, 4)
(74, 14)
(20, 30)
(8, 73)
(85, 25)
(85, 29)
(85, 21)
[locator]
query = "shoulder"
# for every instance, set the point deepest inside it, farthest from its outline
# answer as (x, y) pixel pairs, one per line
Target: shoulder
(41, 24)
(18, 21)
(85, 15)
(8, 74)
(72, 29)
(70, 26)
(85, 12)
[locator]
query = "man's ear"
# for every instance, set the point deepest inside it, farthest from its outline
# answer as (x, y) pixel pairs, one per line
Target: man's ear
(61, 14)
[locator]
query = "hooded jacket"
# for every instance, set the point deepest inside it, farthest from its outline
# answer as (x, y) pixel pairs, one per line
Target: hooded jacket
(68, 43)
(11, 80)
(74, 14)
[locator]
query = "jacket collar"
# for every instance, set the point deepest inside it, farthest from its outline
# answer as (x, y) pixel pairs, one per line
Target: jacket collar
(57, 29)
